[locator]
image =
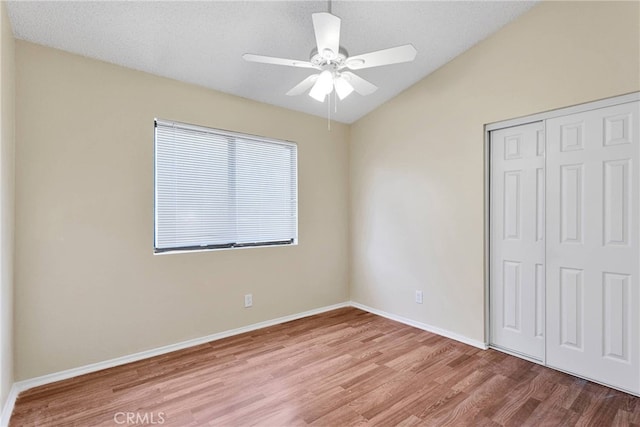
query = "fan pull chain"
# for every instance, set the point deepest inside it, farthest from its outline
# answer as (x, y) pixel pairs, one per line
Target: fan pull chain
(329, 113)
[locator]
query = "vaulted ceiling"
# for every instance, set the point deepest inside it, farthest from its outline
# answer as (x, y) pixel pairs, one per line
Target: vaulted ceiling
(202, 42)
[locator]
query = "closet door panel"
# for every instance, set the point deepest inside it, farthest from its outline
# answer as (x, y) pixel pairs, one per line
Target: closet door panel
(592, 233)
(517, 239)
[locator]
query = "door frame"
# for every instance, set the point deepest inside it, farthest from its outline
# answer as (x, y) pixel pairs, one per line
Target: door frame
(542, 116)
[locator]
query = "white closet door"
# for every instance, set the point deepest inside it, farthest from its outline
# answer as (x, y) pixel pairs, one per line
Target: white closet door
(517, 239)
(592, 296)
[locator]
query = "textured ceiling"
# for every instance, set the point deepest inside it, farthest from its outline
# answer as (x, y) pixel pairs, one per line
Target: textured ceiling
(202, 42)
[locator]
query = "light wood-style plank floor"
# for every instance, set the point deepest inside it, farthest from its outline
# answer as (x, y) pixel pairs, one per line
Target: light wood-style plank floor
(341, 368)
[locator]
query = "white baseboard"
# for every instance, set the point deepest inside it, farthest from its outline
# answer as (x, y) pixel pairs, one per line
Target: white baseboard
(423, 326)
(8, 406)
(21, 386)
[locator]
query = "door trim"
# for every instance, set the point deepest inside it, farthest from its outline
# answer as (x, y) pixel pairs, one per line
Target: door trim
(543, 116)
(564, 111)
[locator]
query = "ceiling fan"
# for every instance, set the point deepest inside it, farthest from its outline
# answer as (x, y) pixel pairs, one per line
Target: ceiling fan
(334, 63)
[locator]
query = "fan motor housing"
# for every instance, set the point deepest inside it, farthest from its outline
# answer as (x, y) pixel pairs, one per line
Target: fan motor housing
(329, 58)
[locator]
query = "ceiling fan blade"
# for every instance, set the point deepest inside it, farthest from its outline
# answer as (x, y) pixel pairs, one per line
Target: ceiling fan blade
(327, 29)
(360, 85)
(394, 55)
(277, 61)
(302, 87)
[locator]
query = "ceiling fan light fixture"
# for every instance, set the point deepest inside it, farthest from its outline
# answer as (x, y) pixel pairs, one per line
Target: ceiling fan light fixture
(343, 88)
(323, 86)
(317, 95)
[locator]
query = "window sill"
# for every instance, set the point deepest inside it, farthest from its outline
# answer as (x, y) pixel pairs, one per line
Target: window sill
(189, 251)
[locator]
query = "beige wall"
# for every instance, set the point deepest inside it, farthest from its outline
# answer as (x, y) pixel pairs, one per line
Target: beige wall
(7, 146)
(88, 287)
(416, 163)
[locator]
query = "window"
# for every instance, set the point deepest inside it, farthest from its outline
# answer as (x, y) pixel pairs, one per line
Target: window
(217, 189)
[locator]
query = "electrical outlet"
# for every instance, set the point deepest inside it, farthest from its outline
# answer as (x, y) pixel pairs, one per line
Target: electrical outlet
(419, 297)
(248, 300)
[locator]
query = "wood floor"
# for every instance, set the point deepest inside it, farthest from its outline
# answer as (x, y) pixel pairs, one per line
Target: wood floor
(341, 368)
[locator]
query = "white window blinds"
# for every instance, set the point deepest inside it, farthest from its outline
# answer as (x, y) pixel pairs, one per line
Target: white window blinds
(219, 189)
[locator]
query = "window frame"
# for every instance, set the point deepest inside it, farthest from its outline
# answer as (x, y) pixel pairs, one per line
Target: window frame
(228, 135)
